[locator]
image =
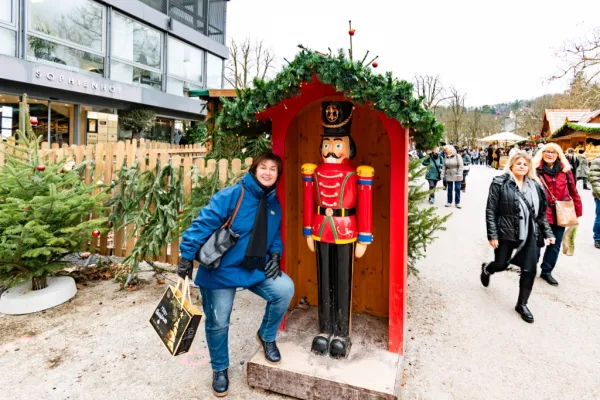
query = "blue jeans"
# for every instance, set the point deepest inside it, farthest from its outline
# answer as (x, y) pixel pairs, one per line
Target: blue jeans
(454, 187)
(552, 251)
(597, 220)
(218, 303)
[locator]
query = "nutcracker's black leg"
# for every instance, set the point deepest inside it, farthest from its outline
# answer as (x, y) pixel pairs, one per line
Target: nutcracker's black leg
(320, 344)
(340, 343)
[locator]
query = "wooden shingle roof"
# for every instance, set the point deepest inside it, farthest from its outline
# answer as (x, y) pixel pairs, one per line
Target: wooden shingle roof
(557, 117)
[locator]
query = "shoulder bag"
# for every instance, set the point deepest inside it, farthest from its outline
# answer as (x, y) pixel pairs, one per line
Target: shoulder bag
(565, 209)
(220, 241)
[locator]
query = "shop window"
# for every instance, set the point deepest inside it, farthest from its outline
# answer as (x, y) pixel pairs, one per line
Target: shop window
(135, 75)
(67, 32)
(80, 22)
(135, 42)
(8, 40)
(180, 87)
(6, 11)
(136, 52)
(214, 71)
(9, 115)
(185, 67)
(41, 49)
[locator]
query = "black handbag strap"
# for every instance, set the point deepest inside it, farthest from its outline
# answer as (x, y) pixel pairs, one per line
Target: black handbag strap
(230, 220)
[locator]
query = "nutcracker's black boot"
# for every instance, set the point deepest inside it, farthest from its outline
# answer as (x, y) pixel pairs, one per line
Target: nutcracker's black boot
(340, 347)
(521, 306)
(320, 344)
(220, 383)
(271, 351)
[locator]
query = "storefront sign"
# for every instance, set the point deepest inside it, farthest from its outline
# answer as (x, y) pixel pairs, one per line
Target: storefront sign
(78, 82)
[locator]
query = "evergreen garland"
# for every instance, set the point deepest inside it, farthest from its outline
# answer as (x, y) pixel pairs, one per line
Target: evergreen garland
(357, 81)
(578, 128)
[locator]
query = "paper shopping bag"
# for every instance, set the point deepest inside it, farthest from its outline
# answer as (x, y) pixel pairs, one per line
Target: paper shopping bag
(568, 244)
(176, 319)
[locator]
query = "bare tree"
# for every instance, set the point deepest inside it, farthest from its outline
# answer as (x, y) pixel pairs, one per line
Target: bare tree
(457, 110)
(431, 89)
(581, 56)
(248, 61)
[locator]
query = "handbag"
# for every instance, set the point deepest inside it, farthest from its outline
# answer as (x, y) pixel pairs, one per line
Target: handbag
(565, 209)
(220, 241)
(176, 319)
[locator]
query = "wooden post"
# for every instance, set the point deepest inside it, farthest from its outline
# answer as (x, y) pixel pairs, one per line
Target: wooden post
(164, 161)
(119, 233)
(107, 178)
(211, 166)
(174, 253)
(223, 172)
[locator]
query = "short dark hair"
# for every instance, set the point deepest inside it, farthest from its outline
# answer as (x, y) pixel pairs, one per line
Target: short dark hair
(267, 155)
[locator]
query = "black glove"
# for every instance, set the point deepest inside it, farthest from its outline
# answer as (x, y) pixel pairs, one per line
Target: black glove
(185, 268)
(273, 270)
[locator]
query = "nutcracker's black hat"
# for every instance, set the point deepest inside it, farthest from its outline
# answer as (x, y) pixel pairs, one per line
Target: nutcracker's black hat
(336, 117)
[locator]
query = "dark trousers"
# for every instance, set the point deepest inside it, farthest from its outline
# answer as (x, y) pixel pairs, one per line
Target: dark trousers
(454, 188)
(552, 251)
(502, 256)
(432, 185)
(334, 275)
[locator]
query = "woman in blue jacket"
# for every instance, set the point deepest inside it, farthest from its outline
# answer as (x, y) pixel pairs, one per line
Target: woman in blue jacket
(252, 263)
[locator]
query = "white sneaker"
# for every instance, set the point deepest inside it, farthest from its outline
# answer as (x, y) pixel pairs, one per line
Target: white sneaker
(449, 205)
(458, 206)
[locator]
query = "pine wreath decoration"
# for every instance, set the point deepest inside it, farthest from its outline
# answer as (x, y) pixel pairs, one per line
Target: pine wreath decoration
(354, 79)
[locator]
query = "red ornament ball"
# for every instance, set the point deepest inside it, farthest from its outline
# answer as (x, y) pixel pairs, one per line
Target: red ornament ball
(96, 233)
(375, 65)
(351, 32)
(40, 167)
(27, 209)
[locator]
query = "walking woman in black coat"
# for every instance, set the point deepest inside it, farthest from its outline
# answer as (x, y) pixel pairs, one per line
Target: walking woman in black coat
(517, 225)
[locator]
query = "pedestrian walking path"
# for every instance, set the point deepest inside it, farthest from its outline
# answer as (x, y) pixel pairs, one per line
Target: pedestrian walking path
(467, 342)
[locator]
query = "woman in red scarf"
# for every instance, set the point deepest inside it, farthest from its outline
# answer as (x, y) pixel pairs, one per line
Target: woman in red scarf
(554, 172)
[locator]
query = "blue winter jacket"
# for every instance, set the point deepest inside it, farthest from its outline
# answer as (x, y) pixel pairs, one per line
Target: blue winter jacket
(231, 273)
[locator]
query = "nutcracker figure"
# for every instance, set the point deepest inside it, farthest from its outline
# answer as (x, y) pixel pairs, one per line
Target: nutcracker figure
(337, 224)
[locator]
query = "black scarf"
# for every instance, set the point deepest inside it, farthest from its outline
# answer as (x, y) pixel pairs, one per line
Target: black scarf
(551, 170)
(257, 245)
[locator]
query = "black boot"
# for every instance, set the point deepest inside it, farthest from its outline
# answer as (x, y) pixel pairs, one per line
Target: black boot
(320, 344)
(521, 306)
(597, 244)
(485, 276)
(271, 351)
(547, 276)
(220, 383)
(339, 347)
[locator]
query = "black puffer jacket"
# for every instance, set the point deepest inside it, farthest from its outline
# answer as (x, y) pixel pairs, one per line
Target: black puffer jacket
(503, 212)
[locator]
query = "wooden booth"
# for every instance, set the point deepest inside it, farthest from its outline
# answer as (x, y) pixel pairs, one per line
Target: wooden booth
(379, 278)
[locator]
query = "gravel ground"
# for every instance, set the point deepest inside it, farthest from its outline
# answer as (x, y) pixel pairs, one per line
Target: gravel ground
(101, 342)
(467, 340)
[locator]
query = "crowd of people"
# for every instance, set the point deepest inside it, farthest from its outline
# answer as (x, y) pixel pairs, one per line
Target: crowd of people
(525, 204)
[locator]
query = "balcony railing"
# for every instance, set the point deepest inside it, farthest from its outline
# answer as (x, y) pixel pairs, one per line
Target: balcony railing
(194, 13)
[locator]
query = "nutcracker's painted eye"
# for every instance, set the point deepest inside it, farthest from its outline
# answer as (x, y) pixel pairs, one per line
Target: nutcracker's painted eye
(338, 146)
(326, 146)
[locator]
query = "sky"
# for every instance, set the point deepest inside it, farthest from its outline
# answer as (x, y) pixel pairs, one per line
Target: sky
(493, 51)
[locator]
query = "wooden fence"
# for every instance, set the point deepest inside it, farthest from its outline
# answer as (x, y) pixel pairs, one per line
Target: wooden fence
(110, 157)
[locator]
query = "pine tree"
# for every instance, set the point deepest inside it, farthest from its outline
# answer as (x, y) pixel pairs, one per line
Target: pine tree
(46, 210)
(423, 221)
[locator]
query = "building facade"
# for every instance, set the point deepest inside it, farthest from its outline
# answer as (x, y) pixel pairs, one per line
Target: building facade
(79, 60)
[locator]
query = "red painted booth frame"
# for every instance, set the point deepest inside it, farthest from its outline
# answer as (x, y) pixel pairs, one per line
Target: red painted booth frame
(282, 116)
